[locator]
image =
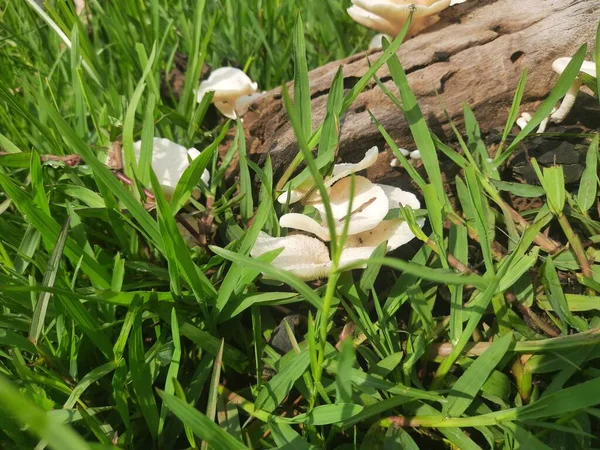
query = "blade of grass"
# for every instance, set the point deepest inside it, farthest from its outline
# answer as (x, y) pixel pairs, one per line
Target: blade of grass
(301, 86)
(213, 393)
(44, 426)
(418, 127)
(39, 314)
(465, 390)
(173, 368)
(142, 378)
(201, 425)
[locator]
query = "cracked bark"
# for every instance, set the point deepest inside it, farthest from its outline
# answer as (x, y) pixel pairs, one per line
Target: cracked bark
(474, 55)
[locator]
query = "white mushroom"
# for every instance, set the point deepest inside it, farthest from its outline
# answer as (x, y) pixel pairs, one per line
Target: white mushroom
(308, 257)
(559, 66)
(369, 207)
(79, 6)
(169, 161)
(339, 171)
(304, 256)
(377, 40)
(414, 155)
(234, 91)
(523, 120)
(389, 16)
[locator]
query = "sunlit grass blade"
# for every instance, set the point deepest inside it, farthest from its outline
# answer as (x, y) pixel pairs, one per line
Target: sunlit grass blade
(52, 24)
(106, 177)
(514, 109)
(588, 186)
(351, 96)
(247, 203)
(180, 255)
(286, 438)
(597, 59)
(213, 393)
(273, 392)
(467, 386)
(89, 378)
(418, 127)
(50, 231)
(301, 87)
(201, 425)
(45, 427)
(39, 314)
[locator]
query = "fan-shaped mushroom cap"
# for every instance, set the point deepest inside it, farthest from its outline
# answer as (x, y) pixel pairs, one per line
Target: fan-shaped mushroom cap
(230, 86)
(304, 256)
(339, 171)
(169, 161)
(373, 21)
(389, 16)
(560, 64)
(369, 207)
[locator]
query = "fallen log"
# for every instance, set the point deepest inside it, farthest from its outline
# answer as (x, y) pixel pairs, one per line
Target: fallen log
(474, 55)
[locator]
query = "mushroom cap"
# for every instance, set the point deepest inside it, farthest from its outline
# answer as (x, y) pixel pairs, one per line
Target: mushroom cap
(398, 10)
(560, 64)
(304, 256)
(344, 169)
(377, 40)
(339, 171)
(169, 161)
(227, 82)
(395, 231)
(389, 16)
(373, 21)
(397, 197)
(369, 206)
(230, 85)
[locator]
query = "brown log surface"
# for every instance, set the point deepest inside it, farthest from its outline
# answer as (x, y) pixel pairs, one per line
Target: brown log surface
(475, 55)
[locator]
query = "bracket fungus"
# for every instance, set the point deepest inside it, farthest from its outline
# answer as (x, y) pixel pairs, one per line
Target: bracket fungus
(169, 161)
(389, 16)
(307, 256)
(234, 91)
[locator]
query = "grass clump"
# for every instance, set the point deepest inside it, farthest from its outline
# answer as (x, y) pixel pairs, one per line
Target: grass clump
(114, 333)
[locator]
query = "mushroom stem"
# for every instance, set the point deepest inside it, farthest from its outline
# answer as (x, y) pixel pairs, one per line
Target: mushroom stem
(567, 103)
(543, 125)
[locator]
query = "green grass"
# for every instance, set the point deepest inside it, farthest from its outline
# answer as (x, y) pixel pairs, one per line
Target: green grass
(114, 333)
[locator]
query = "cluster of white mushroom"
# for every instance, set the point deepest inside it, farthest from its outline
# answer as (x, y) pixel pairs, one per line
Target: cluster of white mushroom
(307, 256)
(389, 16)
(559, 114)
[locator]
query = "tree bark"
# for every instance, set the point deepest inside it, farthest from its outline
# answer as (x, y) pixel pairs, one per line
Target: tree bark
(474, 55)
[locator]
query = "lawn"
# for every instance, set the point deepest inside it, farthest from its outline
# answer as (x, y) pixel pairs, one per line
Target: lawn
(135, 318)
